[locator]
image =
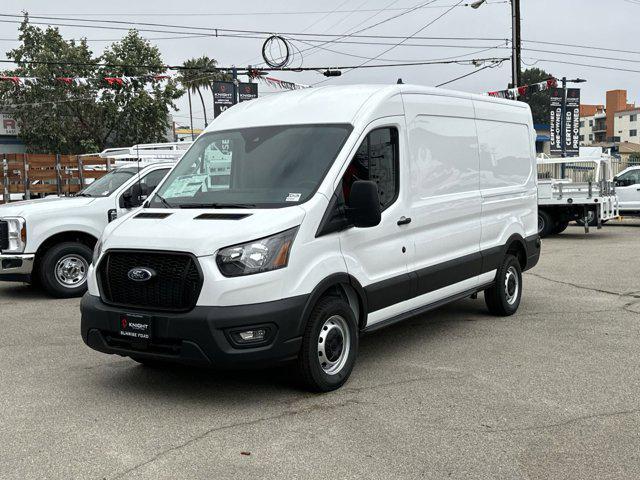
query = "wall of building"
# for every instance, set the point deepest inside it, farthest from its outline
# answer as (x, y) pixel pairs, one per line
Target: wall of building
(626, 126)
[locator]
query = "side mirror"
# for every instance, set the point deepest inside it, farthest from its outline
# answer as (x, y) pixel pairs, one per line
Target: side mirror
(364, 204)
(134, 196)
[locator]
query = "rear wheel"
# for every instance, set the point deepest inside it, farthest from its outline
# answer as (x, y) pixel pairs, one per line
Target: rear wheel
(546, 223)
(503, 298)
(561, 226)
(329, 345)
(63, 269)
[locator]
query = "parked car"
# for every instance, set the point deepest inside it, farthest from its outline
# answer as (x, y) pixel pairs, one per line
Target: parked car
(50, 240)
(346, 209)
(628, 190)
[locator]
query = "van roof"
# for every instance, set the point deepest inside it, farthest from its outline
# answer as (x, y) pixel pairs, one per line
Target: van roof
(328, 104)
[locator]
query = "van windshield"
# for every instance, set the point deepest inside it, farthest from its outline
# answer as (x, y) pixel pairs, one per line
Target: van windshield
(261, 167)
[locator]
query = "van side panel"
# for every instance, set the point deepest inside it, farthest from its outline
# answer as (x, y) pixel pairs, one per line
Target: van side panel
(444, 194)
(507, 172)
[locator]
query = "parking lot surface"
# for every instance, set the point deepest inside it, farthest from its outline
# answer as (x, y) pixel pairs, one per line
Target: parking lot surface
(552, 392)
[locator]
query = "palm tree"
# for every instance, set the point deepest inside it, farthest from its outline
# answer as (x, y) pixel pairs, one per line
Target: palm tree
(194, 77)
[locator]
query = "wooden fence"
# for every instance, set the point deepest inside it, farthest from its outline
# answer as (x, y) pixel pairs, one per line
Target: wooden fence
(35, 175)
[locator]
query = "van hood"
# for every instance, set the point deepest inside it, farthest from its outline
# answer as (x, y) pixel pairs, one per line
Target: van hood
(182, 230)
(47, 205)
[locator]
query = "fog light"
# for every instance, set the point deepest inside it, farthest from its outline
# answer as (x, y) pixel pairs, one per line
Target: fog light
(253, 335)
(256, 335)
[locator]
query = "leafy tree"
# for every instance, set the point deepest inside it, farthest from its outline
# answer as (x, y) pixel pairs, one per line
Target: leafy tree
(538, 101)
(72, 118)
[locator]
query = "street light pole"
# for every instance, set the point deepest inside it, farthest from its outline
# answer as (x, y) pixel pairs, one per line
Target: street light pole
(515, 43)
(515, 38)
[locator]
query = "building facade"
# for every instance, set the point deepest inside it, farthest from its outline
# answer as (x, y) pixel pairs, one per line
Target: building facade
(615, 122)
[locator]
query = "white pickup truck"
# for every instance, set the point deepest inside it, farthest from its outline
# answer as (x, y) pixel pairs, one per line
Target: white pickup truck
(628, 190)
(575, 189)
(50, 240)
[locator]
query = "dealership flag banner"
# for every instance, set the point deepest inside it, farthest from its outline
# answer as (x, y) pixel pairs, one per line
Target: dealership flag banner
(571, 136)
(247, 91)
(223, 97)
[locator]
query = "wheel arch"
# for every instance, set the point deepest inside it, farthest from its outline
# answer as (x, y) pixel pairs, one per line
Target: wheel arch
(70, 236)
(517, 247)
(344, 286)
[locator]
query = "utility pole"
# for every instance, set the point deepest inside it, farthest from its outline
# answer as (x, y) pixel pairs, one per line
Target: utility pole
(515, 43)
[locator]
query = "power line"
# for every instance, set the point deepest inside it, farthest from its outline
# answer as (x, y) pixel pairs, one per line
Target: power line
(473, 72)
(263, 13)
(590, 47)
(563, 62)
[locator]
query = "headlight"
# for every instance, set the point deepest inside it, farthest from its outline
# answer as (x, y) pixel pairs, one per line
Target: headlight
(263, 255)
(17, 234)
(97, 250)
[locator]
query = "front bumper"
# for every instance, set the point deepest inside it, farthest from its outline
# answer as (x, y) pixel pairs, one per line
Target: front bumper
(199, 337)
(16, 267)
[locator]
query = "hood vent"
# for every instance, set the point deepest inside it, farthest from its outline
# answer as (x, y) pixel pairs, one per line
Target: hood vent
(156, 215)
(222, 216)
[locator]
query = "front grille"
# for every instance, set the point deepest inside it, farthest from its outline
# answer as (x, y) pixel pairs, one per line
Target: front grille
(174, 287)
(4, 236)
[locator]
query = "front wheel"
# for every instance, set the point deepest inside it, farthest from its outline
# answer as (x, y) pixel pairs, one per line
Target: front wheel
(329, 346)
(503, 298)
(63, 269)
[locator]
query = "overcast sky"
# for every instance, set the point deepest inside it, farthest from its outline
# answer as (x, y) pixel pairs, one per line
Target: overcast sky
(603, 23)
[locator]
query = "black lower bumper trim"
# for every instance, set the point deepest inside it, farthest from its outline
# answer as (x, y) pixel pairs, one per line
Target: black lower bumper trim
(199, 337)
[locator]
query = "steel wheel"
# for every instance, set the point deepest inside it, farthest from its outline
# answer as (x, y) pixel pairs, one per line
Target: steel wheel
(511, 285)
(71, 271)
(334, 344)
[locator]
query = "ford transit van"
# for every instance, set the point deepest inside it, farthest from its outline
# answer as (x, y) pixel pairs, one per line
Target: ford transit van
(343, 210)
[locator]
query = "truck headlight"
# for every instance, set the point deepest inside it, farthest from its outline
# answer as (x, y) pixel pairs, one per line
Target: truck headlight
(17, 227)
(263, 255)
(97, 250)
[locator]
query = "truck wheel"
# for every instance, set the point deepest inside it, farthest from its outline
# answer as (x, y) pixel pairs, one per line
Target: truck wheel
(503, 298)
(63, 269)
(329, 346)
(561, 226)
(546, 223)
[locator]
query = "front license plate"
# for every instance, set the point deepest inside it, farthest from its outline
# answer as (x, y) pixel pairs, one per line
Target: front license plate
(135, 327)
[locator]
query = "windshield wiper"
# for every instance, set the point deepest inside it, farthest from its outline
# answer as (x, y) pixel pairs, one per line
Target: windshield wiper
(164, 201)
(82, 194)
(217, 205)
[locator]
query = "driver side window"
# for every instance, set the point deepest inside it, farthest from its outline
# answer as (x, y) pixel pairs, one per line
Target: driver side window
(377, 160)
(632, 177)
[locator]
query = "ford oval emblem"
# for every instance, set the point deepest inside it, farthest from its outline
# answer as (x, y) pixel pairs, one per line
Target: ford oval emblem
(139, 274)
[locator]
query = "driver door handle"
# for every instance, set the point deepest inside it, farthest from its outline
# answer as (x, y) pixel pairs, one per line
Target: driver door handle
(404, 220)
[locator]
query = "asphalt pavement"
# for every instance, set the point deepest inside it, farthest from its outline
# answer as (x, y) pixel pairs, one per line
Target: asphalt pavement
(550, 393)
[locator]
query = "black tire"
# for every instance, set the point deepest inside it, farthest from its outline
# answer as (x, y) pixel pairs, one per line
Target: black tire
(314, 375)
(560, 227)
(77, 253)
(546, 223)
(503, 298)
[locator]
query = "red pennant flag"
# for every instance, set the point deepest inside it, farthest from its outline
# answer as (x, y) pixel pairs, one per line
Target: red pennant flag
(67, 80)
(114, 81)
(15, 80)
(551, 83)
(523, 90)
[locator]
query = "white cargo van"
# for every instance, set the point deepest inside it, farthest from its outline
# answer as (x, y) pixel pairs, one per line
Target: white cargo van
(346, 209)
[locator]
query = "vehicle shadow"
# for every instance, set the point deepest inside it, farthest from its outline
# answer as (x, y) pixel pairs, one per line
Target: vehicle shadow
(22, 291)
(187, 384)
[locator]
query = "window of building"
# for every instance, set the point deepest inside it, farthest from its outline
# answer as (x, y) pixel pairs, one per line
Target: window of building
(633, 133)
(591, 123)
(582, 138)
(376, 160)
(581, 123)
(591, 136)
(633, 118)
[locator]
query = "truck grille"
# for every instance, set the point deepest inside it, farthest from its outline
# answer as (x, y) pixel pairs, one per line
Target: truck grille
(175, 285)
(4, 235)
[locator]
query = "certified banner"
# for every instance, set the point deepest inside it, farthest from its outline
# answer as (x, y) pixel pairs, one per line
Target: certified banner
(572, 124)
(569, 130)
(223, 97)
(555, 120)
(247, 91)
